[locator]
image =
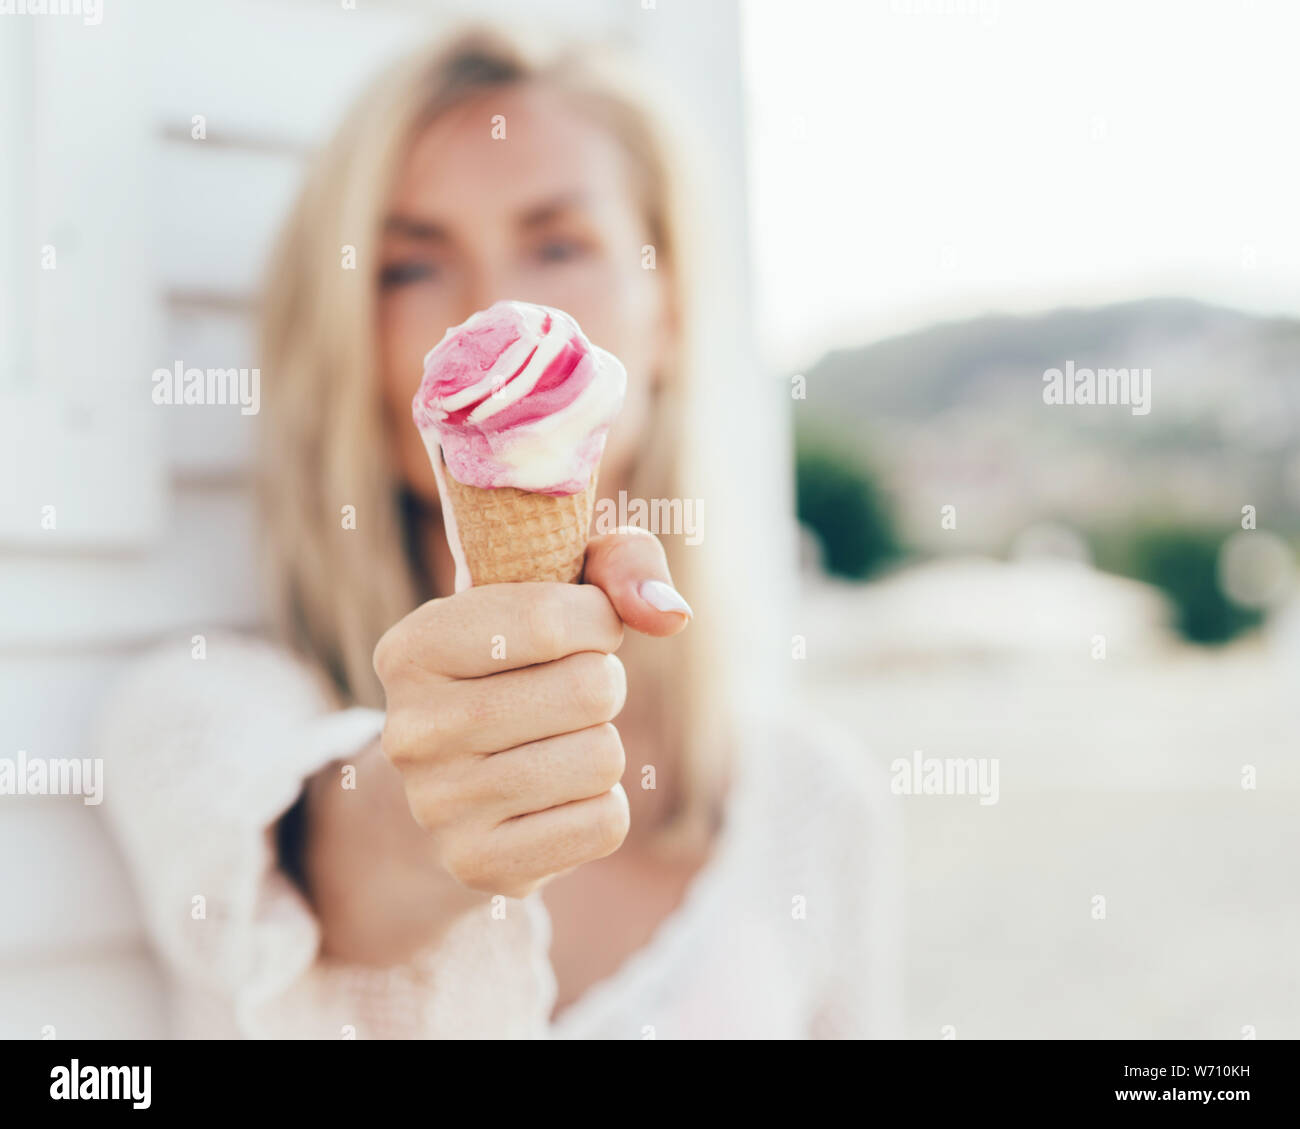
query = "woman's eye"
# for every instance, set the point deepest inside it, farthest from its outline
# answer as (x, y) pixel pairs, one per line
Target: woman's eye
(559, 250)
(400, 274)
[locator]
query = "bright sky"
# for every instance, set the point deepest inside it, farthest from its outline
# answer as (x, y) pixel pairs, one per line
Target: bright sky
(917, 160)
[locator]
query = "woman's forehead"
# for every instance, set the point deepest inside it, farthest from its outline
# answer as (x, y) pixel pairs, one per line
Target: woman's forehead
(513, 152)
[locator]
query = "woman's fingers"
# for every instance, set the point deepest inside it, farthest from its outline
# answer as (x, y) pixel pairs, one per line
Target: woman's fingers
(630, 568)
(521, 852)
(501, 627)
(484, 715)
(544, 774)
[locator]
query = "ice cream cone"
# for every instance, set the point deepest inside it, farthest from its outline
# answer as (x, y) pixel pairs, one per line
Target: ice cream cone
(509, 535)
(514, 407)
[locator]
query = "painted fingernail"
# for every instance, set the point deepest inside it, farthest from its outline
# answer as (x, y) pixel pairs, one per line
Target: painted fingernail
(664, 597)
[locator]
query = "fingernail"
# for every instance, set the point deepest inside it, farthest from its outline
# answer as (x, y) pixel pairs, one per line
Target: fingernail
(664, 597)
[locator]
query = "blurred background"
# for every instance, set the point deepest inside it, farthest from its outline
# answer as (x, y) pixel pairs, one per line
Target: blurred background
(928, 204)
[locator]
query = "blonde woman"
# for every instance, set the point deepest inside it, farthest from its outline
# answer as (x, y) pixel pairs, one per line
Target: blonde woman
(374, 825)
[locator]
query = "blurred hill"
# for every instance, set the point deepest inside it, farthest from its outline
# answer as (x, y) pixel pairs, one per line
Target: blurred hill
(954, 415)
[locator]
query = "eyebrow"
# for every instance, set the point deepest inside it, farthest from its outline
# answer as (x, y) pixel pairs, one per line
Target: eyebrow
(542, 213)
(413, 227)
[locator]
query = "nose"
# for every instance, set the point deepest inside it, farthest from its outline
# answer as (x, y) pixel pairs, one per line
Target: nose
(487, 283)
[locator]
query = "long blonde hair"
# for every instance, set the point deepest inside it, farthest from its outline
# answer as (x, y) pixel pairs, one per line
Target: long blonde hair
(340, 583)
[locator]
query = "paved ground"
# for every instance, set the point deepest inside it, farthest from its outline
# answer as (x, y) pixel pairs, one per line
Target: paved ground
(1119, 777)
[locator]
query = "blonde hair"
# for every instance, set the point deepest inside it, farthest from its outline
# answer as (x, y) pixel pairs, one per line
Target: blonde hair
(336, 589)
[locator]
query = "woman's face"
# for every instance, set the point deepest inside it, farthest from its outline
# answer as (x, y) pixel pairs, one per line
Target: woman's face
(544, 215)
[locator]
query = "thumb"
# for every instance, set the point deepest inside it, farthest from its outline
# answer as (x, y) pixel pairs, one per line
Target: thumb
(629, 566)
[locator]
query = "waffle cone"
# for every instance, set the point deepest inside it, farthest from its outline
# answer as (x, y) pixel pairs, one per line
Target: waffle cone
(510, 535)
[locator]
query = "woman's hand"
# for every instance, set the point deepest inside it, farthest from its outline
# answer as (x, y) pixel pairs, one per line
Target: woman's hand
(500, 708)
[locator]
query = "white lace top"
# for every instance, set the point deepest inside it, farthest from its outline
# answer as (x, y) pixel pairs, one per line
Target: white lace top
(790, 930)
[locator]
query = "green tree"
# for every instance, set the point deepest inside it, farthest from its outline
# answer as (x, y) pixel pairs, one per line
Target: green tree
(1182, 561)
(838, 499)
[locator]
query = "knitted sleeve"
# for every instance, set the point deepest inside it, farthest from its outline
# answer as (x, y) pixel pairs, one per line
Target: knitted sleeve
(202, 758)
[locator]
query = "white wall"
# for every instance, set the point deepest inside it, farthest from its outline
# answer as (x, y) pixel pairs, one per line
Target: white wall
(159, 240)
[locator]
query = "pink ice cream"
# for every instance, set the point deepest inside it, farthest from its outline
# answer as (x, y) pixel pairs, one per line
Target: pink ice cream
(517, 396)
